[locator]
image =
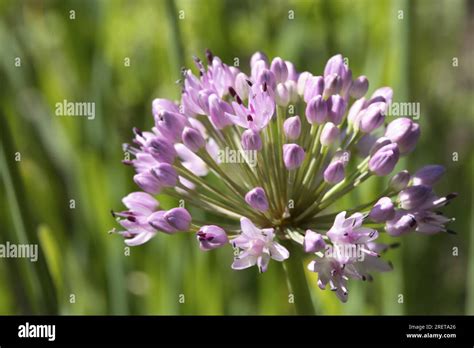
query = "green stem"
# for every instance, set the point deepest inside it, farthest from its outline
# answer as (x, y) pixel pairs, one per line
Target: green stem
(296, 279)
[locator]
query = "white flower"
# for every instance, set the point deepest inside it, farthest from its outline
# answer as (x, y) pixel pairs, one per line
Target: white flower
(257, 247)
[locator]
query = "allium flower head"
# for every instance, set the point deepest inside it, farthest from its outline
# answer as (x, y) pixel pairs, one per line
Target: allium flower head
(273, 152)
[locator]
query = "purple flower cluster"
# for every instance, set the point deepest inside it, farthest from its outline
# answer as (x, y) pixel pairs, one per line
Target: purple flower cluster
(273, 153)
(350, 253)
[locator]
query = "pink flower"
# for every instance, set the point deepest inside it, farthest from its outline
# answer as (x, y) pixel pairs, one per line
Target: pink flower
(257, 247)
(259, 111)
(350, 230)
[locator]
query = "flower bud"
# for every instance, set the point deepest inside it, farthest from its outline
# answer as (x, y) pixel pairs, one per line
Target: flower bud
(211, 237)
(279, 69)
(161, 149)
(384, 159)
(334, 172)
(428, 175)
(336, 109)
(401, 224)
(353, 116)
(332, 85)
(383, 210)
(267, 77)
(292, 73)
(292, 90)
(399, 181)
(329, 134)
(292, 127)
(257, 69)
(257, 199)
(301, 83)
(193, 139)
(170, 124)
(335, 65)
(158, 222)
(217, 110)
(313, 242)
(371, 119)
(148, 182)
(178, 218)
(404, 132)
(293, 156)
(346, 79)
(282, 96)
(165, 174)
(379, 143)
(414, 196)
(258, 56)
(251, 140)
(314, 87)
(316, 110)
(382, 94)
(359, 87)
(241, 85)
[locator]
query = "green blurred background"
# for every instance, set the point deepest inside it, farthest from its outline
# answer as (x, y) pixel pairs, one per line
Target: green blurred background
(83, 270)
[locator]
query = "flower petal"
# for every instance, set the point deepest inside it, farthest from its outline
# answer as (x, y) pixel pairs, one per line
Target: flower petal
(244, 262)
(278, 252)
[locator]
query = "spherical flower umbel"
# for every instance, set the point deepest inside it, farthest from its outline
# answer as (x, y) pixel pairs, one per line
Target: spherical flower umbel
(233, 146)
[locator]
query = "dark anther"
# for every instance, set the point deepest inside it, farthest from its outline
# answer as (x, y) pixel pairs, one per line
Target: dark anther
(451, 232)
(249, 83)
(112, 212)
(451, 195)
(264, 86)
(239, 101)
(232, 92)
(249, 118)
(209, 55)
(132, 218)
(137, 131)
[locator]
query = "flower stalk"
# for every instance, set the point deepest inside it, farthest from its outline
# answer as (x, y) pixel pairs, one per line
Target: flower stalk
(296, 280)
